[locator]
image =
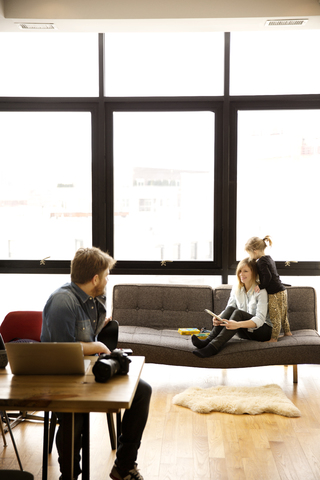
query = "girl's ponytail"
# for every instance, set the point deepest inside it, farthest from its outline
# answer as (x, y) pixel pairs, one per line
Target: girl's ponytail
(256, 243)
(267, 239)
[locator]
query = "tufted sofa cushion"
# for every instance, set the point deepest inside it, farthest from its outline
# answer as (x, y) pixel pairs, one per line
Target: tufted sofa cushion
(162, 306)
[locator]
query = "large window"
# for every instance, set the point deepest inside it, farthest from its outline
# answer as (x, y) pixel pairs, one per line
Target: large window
(163, 185)
(278, 181)
(164, 64)
(45, 184)
(48, 64)
(275, 63)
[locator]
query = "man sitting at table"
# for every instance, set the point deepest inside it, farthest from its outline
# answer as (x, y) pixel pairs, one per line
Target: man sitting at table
(76, 312)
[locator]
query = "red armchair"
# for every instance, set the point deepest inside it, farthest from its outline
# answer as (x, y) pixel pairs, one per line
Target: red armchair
(21, 326)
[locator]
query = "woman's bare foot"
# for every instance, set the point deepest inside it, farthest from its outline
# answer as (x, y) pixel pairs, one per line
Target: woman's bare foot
(272, 340)
(288, 334)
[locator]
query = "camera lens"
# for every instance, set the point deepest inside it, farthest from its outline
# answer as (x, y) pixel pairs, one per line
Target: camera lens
(103, 369)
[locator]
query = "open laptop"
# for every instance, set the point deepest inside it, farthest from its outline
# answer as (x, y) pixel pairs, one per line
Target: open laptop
(46, 358)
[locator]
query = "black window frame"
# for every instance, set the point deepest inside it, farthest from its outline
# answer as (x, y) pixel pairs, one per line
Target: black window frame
(177, 267)
(225, 171)
(259, 103)
(20, 266)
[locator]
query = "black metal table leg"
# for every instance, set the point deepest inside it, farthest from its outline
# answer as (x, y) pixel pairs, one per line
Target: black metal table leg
(13, 440)
(45, 446)
(86, 448)
(112, 430)
(118, 426)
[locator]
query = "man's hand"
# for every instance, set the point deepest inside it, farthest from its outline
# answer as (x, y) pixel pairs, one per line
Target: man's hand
(107, 320)
(91, 348)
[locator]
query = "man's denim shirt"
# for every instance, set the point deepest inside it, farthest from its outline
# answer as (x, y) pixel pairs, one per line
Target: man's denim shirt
(70, 315)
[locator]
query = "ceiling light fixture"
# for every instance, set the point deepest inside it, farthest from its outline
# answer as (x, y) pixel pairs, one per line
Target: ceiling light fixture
(292, 22)
(36, 26)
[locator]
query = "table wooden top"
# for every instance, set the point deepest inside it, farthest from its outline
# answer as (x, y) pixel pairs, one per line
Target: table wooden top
(69, 393)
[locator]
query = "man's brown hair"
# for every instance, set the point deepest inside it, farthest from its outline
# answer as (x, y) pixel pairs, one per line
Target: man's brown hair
(89, 262)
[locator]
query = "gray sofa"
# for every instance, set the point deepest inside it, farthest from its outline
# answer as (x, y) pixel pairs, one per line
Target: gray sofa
(150, 315)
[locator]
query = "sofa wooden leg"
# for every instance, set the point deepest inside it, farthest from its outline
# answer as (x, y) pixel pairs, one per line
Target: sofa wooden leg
(295, 373)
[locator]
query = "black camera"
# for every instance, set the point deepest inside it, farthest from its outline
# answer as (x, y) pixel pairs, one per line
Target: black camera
(107, 365)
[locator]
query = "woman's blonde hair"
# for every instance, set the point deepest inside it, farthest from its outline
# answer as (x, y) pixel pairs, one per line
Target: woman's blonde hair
(252, 264)
(256, 243)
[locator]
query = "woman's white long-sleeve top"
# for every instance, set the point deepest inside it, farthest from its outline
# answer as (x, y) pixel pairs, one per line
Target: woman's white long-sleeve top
(255, 303)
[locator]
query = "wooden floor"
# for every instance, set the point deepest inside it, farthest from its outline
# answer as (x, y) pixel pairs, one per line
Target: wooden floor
(181, 445)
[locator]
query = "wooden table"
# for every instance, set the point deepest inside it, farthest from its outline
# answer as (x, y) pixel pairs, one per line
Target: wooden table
(70, 394)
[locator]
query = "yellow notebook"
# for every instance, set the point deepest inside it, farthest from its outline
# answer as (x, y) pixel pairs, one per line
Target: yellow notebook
(188, 331)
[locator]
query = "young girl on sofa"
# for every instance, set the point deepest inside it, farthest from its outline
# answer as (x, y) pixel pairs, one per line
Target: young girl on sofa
(270, 280)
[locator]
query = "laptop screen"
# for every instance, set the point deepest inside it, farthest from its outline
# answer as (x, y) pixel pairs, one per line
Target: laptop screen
(46, 358)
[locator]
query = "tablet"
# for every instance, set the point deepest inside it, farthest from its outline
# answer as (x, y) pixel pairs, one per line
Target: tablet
(214, 315)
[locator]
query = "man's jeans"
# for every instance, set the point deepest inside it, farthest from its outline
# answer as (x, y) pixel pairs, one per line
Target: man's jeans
(132, 427)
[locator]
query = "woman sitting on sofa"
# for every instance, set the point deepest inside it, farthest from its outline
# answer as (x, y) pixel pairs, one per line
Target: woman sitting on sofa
(246, 314)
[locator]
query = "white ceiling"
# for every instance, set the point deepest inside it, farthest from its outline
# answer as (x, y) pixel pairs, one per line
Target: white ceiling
(156, 15)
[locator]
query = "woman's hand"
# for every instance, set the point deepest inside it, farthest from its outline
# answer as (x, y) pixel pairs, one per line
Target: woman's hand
(231, 325)
(216, 322)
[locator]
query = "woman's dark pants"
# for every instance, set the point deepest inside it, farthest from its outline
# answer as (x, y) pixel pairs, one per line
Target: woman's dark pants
(219, 336)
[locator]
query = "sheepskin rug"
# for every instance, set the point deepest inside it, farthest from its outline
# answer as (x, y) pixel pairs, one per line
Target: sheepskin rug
(237, 400)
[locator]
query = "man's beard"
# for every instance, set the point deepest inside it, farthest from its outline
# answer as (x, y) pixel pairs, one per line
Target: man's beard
(98, 291)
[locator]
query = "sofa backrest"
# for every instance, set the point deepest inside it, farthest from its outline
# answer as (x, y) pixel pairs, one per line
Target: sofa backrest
(302, 305)
(302, 308)
(162, 306)
(220, 297)
(182, 306)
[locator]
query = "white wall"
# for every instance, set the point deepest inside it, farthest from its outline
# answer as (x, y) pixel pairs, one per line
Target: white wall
(95, 9)
(109, 15)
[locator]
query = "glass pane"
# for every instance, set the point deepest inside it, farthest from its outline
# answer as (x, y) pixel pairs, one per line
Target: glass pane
(43, 285)
(163, 184)
(278, 181)
(164, 64)
(45, 184)
(274, 63)
(49, 64)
